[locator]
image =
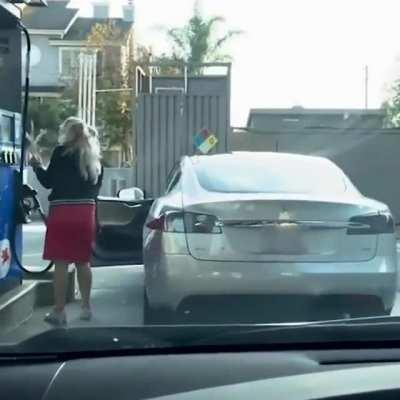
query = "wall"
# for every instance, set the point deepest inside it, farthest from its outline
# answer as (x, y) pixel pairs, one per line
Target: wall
(199, 85)
(116, 179)
(46, 72)
(167, 122)
(280, 122)
(10, 68)
(370, 158)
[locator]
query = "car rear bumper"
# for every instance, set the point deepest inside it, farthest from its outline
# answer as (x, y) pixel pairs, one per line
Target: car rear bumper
(178, 277)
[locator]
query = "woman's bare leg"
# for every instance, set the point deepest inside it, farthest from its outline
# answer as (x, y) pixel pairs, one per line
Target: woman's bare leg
(85, 282)
(60, 283)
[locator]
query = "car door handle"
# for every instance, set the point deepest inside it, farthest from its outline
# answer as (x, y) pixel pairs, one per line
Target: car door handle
(132, 206)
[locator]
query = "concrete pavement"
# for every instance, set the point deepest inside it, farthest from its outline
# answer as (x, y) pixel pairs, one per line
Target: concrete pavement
(117, 299)
(117, 296)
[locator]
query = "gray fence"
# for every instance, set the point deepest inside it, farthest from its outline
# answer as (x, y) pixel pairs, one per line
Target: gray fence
(166, 127)
(370, 158)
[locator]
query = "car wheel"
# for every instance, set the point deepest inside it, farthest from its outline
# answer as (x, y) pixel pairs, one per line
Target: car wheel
(155, 316)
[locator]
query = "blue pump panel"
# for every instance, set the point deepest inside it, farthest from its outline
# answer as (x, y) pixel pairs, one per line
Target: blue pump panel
(10, 142)
(10, 153)
(10, 273)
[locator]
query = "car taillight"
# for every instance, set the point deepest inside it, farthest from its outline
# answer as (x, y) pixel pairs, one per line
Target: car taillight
(178, 222)
(171, 221)
(157, 224)
(373, 224)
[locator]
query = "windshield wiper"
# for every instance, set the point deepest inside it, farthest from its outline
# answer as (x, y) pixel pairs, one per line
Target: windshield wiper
(84, 339)
(368, 329)
(109, 341)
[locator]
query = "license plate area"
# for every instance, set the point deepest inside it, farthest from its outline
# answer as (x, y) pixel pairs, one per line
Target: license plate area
(284, 238)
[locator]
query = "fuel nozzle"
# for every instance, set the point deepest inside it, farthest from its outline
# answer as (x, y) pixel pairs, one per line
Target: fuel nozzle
(28, 203)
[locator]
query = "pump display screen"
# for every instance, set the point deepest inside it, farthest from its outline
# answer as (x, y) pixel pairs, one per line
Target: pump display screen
(6, 128)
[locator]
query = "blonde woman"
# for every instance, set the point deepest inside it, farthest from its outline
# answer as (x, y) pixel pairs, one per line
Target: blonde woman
(74, 176)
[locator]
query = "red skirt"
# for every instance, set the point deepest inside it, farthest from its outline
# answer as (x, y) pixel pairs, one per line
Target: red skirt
(70, 234)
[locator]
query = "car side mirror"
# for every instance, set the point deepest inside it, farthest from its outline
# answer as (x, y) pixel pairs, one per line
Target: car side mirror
(131, 194)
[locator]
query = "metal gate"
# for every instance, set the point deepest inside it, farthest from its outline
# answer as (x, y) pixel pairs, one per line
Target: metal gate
(165, 127)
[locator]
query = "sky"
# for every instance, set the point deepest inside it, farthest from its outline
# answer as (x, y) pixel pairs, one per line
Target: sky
(310, 53)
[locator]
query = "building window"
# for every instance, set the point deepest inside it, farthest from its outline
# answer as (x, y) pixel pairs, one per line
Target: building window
(100, 64)
(117, 185)
(69, 62)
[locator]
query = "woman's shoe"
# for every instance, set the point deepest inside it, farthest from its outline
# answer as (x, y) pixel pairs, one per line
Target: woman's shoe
(86, 314)
(56, 318)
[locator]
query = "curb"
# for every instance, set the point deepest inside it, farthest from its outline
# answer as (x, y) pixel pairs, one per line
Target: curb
(44, 292)
(17, 305)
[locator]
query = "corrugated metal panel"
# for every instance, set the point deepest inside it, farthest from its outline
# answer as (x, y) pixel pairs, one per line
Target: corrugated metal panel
(166, 126)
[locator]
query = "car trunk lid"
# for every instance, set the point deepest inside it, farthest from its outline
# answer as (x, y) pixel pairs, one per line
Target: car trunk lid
(285, 228)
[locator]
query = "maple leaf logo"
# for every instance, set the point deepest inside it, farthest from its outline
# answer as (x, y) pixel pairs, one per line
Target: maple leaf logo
(5, 255)
(5, 258)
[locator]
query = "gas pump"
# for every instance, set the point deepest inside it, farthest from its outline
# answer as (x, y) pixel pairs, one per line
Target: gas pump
(10, 148)
(12, 124)
(10, 144)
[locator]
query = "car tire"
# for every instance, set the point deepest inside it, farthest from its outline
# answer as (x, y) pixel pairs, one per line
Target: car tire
(155, 316)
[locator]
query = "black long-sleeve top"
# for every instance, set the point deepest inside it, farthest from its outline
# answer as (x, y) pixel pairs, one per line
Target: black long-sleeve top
(64, 179)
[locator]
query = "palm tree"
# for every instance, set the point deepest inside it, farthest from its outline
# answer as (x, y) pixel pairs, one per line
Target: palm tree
(194, 43)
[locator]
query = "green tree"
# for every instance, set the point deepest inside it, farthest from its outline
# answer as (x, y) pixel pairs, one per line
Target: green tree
(113, 108)
(196, 41)
(117, 73)
(116, 70)
(392, 107)
(46, 116)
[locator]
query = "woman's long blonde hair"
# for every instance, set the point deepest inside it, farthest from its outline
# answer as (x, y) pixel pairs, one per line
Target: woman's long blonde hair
(78, 137)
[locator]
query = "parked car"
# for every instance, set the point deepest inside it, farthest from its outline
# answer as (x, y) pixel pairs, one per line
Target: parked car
(265, 225)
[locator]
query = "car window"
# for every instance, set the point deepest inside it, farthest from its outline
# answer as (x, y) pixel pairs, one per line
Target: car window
(174, 180)
(252, 175)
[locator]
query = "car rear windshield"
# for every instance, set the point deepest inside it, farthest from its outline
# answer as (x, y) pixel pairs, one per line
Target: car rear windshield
(260, 175)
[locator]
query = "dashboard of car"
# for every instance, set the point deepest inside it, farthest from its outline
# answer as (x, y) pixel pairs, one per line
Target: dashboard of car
(370, 374)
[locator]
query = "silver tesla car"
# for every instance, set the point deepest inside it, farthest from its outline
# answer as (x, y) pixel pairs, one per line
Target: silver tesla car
(265, 225)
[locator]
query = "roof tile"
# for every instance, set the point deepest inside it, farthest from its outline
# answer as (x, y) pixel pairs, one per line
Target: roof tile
(54, 17)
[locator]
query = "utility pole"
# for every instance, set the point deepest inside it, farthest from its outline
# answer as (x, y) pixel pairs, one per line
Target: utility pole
(366, 83)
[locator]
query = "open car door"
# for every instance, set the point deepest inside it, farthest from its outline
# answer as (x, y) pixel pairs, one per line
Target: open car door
(119, 231)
